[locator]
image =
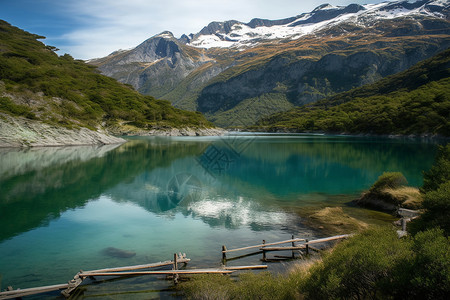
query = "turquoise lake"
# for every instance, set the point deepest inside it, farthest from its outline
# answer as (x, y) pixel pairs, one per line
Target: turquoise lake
(61, 207)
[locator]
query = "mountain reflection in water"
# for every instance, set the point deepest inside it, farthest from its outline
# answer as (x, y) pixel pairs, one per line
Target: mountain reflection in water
(160, 174)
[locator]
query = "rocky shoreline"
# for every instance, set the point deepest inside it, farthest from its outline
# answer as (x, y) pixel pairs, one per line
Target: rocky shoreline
(164, 131)
(18, 132)
(21, 132)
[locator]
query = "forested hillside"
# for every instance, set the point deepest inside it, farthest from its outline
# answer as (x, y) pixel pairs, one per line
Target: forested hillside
(416, 101)
(37, 84)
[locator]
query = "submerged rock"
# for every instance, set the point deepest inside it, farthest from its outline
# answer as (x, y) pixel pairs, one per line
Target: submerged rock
(119, 253)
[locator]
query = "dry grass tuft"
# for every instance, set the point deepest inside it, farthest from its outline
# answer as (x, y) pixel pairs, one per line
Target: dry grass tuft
(409, 197)
(334, 219)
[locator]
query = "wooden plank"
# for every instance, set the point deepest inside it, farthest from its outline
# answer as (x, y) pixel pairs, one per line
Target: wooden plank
(246, 267)
(162, 272)
(283, 248)
(284, 257)
(337, 237)
(138, 267)
(242, 256)
(262, 245)
(314, 248)
(31, 291)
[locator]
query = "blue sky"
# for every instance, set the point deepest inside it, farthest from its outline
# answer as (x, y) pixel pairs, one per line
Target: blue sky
(94, 28)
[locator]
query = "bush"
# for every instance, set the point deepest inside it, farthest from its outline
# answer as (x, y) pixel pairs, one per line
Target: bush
(437, 195)
(439, 172)
(378, 265)
(389, 192)
(390, 180)
(437, 211)
(359, 268)
(431, 266)
(8, 106)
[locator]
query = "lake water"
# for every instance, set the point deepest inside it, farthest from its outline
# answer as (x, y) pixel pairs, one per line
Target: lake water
(60, 208)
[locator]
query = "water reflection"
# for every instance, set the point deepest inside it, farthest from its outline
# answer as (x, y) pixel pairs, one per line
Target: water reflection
(139, 201)
(47, 182)
(176, 175)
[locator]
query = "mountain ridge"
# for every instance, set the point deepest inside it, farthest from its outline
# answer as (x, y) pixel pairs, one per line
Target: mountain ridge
(333, 54)
(412, 102)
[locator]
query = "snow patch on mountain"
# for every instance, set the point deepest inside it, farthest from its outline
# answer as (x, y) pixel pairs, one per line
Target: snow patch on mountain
(244, 35)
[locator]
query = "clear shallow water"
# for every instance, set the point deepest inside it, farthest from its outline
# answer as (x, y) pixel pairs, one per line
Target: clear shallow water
(61, 207)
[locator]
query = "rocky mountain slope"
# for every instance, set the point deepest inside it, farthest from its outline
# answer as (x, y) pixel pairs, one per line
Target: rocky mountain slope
(412, 102)
(236, 73)
(46, 99)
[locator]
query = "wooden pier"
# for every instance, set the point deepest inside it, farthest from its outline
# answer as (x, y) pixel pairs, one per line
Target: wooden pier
(296, 244)
(68, 288)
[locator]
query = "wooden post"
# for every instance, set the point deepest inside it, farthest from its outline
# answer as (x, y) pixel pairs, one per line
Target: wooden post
(175, 267)
(224, 253)
(293, 245)
(403, 224)
(307, 247)
(175, 261)
(264, 252)
(73, 284)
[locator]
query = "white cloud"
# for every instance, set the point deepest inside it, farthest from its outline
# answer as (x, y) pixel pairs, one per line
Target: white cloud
(109, 25)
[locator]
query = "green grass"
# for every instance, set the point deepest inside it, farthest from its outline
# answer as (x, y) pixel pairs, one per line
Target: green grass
(247, 286)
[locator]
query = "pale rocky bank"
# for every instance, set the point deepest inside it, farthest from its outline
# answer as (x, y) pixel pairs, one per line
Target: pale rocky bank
(164, 131)
(22, 132)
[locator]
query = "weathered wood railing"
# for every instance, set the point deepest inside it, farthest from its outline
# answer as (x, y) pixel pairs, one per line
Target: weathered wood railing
(263, 248)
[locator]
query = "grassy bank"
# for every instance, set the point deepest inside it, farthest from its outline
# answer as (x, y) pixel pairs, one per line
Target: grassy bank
(372, 265)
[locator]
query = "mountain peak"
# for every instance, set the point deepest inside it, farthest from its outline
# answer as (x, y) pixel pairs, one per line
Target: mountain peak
(165, 35)
(324, 7)
(240, 35)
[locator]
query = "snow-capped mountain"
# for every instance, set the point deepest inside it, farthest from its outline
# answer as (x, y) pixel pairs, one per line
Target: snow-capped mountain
(238, 34)
(238, 72)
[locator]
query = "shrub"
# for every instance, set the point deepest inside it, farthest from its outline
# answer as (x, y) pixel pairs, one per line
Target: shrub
(378, 265)
(390, 180)
(437, 195)
(431, 266)
(437, 211)
(439, 172)
(389, 192)
(8, 106)
(359, 268)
